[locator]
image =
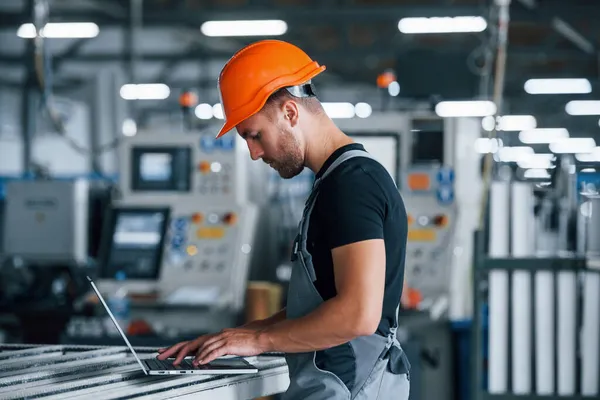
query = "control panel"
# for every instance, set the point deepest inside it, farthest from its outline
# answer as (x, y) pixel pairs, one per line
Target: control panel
(206, 243)
(429, 197)
(166, 167)
(207, 248)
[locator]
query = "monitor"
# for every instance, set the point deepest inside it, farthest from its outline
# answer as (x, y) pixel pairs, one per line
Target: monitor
(133, 241)
(165, 169)
(427, 142)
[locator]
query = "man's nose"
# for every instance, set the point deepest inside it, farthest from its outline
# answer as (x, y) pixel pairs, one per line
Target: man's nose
(255, 151)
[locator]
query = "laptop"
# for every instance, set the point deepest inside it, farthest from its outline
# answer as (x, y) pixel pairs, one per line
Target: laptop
(220, 366)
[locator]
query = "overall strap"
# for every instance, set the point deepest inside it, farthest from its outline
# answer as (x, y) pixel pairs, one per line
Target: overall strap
(344, 157)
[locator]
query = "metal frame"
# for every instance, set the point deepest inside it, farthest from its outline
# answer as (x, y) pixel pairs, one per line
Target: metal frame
(483, 266)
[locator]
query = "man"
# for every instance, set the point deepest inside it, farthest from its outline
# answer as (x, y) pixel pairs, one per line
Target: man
(338, 329)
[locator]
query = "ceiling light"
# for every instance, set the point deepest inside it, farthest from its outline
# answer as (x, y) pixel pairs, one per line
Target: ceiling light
(363, 110)
(62, 30)
(514, 154)
(487, 145)
(204, 111)
(583, 107)
(217, 110)
(589, 156)
(509, 123)
(517, 122)
(244, 28)
(537, 161)
(465, 108)
(394, 89)
(558, 86)
(129, 127)
(543, 135)
(536, 173)
(573, 145)
(147, 91)
(442, 25)
(339, 110)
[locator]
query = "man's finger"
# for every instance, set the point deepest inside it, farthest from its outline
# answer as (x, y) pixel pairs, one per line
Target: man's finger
(220, 351)
(210, 340)
(166, 353)
(206, 349)
(181, 355)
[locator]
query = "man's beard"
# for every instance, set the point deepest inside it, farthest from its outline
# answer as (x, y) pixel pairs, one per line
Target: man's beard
(291, 162)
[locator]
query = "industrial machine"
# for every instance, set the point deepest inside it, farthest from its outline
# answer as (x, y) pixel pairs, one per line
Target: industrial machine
(435, 165)
(179, 237)
(50, 241)
(537, 288)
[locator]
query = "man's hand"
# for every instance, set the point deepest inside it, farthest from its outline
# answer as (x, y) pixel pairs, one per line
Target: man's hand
(238, 342)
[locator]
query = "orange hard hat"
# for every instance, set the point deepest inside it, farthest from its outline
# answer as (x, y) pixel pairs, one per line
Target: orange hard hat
(257, 71)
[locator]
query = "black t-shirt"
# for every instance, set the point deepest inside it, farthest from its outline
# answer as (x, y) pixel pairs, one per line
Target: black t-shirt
(357, 201)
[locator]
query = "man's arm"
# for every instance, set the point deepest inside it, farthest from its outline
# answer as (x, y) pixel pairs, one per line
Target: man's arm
(260, 324)
(359, 270)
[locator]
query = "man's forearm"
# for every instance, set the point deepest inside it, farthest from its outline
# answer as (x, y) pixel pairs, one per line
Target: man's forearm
(264, 323)
(331, 324)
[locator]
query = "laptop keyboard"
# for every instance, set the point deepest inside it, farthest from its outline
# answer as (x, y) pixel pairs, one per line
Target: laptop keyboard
(168, 365)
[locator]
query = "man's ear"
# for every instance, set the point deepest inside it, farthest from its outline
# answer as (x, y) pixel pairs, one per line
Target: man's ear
(290, 112)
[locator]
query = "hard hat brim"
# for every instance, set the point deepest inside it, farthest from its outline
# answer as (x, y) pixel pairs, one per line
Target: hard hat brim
(259, 101)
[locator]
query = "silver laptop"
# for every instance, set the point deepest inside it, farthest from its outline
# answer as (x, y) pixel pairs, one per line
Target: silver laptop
(220, 366)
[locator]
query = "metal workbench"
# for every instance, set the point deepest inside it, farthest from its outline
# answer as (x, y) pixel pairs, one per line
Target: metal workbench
(76, 372)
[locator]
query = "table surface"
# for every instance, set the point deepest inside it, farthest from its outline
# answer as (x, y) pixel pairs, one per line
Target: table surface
(111, 372)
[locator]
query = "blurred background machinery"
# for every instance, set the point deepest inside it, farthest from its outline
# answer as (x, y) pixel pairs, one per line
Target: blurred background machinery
(484, 113)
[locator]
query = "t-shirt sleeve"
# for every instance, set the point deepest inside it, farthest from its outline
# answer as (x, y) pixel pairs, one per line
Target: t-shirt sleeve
(352, 209)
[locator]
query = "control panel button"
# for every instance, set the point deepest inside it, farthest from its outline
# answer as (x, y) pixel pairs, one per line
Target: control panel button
(213, 218)
(440, 220)
(210, 233)
(230, 218)
(204, 167)
(192, 250)
(197, 218)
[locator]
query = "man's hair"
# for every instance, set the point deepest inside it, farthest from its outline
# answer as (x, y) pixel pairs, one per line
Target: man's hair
(312, 104)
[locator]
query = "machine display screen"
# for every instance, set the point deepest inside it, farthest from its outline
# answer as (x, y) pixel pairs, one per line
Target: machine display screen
(428, 147)
(161, 169)
(427, 141)
(133, 242)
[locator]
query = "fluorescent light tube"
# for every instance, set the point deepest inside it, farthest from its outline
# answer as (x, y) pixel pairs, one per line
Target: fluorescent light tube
(583, 107)
(204, 111)
(514, 154)
(465, 108)
(537, 161)
(218, 111)
(487, 145)
(394, 89)
(146, 91)
(363, 110)
(591, 156)
(558, 86)
(517, 122)
(244, 28)
(543, 135)
(60, 30)
(442, 25)
(536, 173)
(573, 145)
(509, 123)
(339, 110)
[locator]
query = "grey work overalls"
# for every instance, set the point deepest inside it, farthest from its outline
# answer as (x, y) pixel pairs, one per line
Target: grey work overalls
(382, 369)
